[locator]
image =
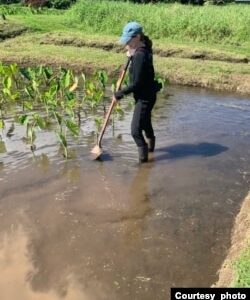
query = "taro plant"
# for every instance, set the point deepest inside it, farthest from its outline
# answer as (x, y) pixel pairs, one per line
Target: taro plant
(98, 122)
(64, 125)
(94, 95)
(33, 122)
(162, 81)
(102, 79)
(62, 110)
(55, 94)
(8, 92)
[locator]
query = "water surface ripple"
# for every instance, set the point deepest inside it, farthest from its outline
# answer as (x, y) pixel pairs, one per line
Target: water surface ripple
(97, 230)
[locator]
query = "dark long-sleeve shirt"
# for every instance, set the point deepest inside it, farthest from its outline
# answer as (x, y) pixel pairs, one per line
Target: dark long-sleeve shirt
(141, 77)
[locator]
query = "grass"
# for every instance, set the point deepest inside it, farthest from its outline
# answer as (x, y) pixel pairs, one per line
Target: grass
(75, 38)
(35, 43)
(227, 24)
(41, 23)
(242, 269)
(211, 24)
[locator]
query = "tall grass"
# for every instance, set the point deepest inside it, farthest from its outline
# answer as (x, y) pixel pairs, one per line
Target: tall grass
(215, 24)
(19, 9)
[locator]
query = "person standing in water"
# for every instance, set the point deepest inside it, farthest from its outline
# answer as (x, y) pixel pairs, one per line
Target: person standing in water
(143, 86)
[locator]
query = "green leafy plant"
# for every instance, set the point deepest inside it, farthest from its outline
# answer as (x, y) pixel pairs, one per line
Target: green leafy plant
(43, 98)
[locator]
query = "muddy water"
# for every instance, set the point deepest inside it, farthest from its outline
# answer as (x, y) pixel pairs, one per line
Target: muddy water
(84, 230)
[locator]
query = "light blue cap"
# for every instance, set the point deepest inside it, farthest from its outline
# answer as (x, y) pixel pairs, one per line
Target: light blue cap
(130, 31)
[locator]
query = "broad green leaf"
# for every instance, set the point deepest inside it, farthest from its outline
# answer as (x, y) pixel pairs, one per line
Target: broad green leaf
(73, 127)
(40, 121)
(26, 73)
(103, 77)
(62, 139)
(15, 96)
(69, 95)
(6, 92)
(23, 120)
(53, 89)
(2, 125)
(35, 85)
(28, 105)
(48, 72)
(29, 91)
(67, 80)
(14, 68)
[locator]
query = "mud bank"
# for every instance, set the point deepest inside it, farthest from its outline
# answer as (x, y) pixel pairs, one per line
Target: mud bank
(8, 31)
(240, 238)
(169, 51)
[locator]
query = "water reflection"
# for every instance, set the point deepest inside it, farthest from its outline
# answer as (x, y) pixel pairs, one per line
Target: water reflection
(73, 248)
(2, 147)
(139, 204)
(17, 272)
(1, 166)
(42, 162)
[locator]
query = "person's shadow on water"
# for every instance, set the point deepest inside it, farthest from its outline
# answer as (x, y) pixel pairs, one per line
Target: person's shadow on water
(183, 150)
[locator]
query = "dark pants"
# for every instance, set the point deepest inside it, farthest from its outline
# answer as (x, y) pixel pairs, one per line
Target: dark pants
(142, 122)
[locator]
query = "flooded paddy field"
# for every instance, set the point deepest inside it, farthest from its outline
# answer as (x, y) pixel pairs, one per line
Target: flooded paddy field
(80, 229)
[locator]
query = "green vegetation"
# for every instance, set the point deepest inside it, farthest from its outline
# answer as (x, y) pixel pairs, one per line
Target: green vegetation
(205, 46)
(40, 98)
(201, 46)
(228, 24)
(210, 24)
(242, 268)
(18, 9)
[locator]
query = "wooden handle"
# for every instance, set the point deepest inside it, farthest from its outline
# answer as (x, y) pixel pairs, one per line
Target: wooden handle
(118, 86)
(120, 80)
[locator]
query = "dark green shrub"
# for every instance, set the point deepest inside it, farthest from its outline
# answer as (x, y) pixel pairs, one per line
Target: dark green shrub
(9, 1)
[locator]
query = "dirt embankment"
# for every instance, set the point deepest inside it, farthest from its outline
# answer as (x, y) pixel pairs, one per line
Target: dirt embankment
(239, 240)
(169, 52)
(7, 30)
(211, 69)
